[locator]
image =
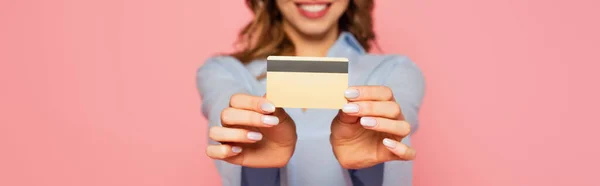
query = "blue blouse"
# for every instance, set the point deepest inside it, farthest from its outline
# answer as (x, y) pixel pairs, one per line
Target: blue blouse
(313, 162)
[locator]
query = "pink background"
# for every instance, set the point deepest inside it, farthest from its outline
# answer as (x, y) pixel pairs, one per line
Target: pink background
(102, 92)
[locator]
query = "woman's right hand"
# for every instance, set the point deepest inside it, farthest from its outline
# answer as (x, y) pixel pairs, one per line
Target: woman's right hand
(253, 133)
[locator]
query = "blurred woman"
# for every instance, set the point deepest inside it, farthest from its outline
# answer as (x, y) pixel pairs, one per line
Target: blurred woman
(365, 143)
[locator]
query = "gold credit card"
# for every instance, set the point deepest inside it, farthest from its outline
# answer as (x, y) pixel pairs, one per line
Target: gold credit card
(307, 82)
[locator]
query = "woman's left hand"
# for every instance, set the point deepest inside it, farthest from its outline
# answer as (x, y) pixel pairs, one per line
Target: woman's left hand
(368, 130)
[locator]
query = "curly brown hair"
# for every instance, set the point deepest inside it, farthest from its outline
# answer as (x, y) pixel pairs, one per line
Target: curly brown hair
(264, 35)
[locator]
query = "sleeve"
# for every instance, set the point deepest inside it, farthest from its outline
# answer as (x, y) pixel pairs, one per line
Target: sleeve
(217, 80)
(408, 85)
(216, 85)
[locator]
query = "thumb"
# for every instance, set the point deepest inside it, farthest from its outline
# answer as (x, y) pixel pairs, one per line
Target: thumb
(284, 132)
(345, 126)
(347, 119)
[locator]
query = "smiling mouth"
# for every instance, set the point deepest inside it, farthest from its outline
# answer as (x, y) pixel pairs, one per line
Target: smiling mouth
(313, 7)
(313, 10)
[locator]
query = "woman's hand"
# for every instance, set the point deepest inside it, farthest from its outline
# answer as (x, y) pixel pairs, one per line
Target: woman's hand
(254, 133)
(368, 130)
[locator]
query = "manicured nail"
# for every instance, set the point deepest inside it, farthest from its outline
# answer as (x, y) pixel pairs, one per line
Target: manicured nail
(267, 107)
(401, 149)
(236, 149)
(368, 122)
(270, 120)
(389, 143)
(350, 108)
(351, 93)
(254, 136)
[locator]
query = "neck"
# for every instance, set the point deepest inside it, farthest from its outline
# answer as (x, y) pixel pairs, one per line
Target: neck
(311, 45)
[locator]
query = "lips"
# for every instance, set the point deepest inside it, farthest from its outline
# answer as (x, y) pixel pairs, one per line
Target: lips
(313, 10)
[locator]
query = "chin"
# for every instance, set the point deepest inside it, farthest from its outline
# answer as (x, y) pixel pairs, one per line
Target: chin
(314, 32)
(314, 29)
(315, 18)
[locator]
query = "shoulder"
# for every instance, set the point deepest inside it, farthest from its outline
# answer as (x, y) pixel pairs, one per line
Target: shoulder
(219, 68)
(220, 71)
(222, 65)
(219, 63)
(390, 67)
(389, 61)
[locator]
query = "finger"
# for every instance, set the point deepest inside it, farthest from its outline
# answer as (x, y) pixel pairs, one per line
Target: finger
(233, 116)
(387, 109)
(369, 93)
(253, 103)
(222, 134)
(346, 118)
(283, 134)
(394, 127)
(345, 126)
(277, 112)
(220, 152)
(401, 150)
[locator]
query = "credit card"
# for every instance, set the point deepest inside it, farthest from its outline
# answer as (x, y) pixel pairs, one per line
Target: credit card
(307, 82)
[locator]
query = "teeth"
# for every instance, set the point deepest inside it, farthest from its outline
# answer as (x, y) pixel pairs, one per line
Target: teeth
(313, 8)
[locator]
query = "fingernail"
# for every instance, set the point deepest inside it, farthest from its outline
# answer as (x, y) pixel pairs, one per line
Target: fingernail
(236, 149)
(270, 120)
(389, 143)
(368, 122)
(267, 107)
(401, 149)
(254, 136)
(351, 93)
(350, 108)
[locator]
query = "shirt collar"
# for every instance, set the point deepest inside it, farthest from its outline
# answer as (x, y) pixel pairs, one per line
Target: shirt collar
(346, 44)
